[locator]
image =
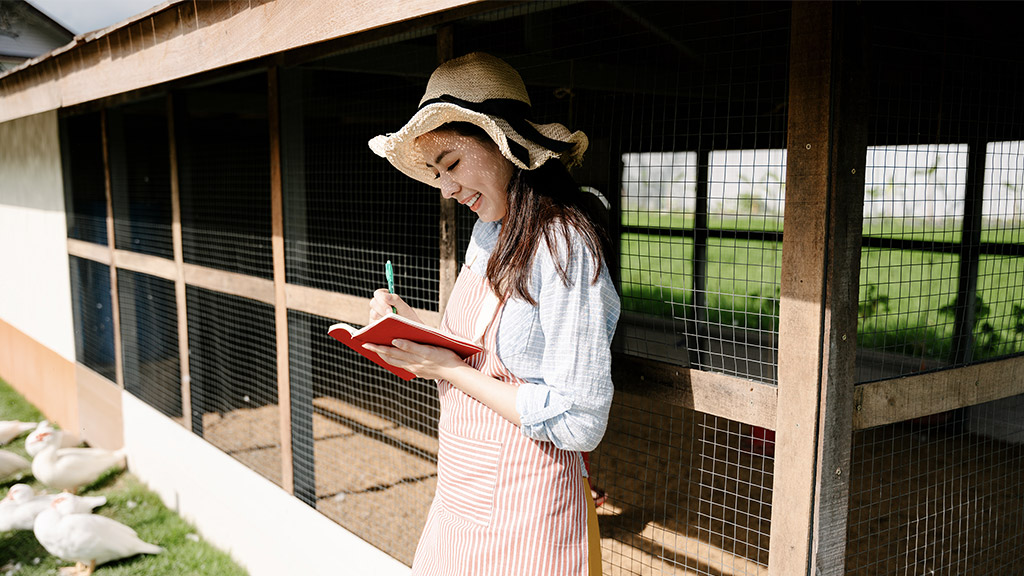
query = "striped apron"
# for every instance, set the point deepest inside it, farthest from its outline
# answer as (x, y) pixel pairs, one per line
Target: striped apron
(505, 505)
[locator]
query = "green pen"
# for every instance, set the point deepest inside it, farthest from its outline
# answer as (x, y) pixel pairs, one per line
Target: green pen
(390, 273)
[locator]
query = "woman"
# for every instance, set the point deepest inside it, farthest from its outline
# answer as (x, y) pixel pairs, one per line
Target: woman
(512, 497)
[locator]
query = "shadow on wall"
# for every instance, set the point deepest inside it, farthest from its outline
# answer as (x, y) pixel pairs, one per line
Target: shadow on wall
(30, 167)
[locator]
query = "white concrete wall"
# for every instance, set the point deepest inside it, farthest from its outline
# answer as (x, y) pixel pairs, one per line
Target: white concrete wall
(264, 528)
(35, 285)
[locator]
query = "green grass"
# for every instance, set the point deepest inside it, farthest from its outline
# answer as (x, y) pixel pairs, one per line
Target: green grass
(905, 295)
(128, 502)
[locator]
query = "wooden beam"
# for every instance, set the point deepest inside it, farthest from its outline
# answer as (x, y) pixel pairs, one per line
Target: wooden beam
(179, 271)
(232, 283)
(89, 251)
(146, 264)
(284, 397)
(720, 395)
(189, 38)
(114, 301)
(819, 291)
(899, 399)
(353, 310)
(449, 268)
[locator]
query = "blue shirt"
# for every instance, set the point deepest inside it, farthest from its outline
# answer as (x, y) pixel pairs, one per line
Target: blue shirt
(561, 347)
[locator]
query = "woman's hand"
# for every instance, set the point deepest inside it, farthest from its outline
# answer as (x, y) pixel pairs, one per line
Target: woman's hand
(427, 362)
(382, 301)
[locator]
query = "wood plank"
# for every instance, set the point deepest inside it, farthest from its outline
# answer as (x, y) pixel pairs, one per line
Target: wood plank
(284, 396)
(448, 265)
(179, 271)
(89, 251)
(898, 399)
(820, 263)
(146, 264)
(342, 307)
(720, 395)
(189, 38)
(231, 283)
(115, 311)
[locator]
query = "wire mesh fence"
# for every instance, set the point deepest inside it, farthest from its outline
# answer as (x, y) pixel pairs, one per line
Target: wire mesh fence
(685, 108)
(345, 216)
(93, 318)
(140, 177)
(149, 341)
(85, 194)
(233, 371)
(940, 494)
(223, 144)
(686, 493)
(941, 281)
(365, 444)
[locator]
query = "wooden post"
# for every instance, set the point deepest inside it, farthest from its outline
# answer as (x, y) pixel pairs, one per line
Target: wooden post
(820, 268)
(284, 401)
(970, 255)
(179, 267)
(449, 269)
(700, 260)
(115, 313)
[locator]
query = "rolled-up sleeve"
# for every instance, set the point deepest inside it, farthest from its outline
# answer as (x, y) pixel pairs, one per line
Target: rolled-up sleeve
(566, 356)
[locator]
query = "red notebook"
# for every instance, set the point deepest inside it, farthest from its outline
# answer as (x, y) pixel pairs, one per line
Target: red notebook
(392, 327)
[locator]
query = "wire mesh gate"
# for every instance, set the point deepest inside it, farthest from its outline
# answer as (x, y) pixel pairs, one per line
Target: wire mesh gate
(687, 108)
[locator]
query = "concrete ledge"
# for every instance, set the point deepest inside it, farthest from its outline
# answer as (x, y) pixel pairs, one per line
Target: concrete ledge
(264, 528)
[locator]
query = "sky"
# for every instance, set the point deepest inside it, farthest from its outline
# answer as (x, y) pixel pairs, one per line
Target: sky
(80, 16)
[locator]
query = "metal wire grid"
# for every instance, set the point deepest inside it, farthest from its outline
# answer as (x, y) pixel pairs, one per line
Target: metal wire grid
(140, 177)
(348, 211)
(149, 341)
(915, 193)
(941, 270)
(1000, 317)
(84, 184)
(93, 316)
(939, 494)
(233, 372)
(364, 442)
(746, 196)
(686, 494)
(223, 143)
(658, 87)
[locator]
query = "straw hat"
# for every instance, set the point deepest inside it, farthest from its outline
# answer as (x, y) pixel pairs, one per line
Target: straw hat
(483, 90)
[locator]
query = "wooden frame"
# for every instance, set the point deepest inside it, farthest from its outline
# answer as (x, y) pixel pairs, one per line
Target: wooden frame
(819, 291)
(898, 399)
(111, 245)
(816, 406)
(162, 45)
(179, 271)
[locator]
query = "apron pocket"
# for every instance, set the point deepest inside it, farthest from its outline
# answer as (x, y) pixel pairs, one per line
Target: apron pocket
(467, 472)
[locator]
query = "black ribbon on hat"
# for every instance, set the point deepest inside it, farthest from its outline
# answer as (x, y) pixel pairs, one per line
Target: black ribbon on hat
(515, 112)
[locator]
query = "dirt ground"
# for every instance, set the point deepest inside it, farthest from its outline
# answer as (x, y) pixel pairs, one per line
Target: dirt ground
(688, 493)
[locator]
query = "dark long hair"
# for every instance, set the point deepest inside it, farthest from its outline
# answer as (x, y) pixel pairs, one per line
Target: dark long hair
(547, 203)
(543, 203)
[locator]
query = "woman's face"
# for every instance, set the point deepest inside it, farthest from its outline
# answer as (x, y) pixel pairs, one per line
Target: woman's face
(472, 172)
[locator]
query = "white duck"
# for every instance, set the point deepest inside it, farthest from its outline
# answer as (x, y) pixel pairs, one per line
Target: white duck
(11, 463)
(11, 429)
(33, 444)
(18, 510)
(71, 468)
(87, 539)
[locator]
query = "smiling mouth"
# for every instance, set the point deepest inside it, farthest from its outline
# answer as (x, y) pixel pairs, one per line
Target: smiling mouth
(472, 200)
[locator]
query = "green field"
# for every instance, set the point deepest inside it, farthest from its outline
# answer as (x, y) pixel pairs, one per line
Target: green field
(906, 296)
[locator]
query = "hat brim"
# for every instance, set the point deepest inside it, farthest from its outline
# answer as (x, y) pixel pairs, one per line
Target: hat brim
(400, 147)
